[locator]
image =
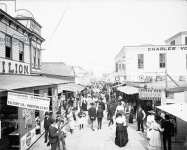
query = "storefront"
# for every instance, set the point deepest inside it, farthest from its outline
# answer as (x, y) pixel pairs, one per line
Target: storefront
(177, 113)
(23, 102)
(19, 124)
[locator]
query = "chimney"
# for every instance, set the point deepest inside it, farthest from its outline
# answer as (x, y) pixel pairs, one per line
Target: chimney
(9, 6)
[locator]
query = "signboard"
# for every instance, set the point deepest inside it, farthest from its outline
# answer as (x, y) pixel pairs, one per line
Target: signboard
(14, 67)
(150, 94)
(28, 139)
(151, 78)
(0, 129)
(28, 101)
(167, 48)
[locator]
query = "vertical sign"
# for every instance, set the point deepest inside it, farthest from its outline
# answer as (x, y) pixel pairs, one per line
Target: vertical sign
(0, 129)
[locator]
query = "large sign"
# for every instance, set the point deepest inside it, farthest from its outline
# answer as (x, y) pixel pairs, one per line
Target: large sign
(0, 129)
(150, 94)
(28, 101)
(166, 48)
(151, 78)
(13, 67)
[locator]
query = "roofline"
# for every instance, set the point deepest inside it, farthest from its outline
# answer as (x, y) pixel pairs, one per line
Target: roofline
(30, 18)
(20, 25)
(179, 33)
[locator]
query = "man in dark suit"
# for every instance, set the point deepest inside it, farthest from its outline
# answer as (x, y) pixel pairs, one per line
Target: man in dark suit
(47, 123)
(167, 133)
(92, 114)
(53, 135)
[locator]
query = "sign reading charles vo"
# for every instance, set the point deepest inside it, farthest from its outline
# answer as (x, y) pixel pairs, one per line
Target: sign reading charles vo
(167, 48)
(14, 67)
(28, 101)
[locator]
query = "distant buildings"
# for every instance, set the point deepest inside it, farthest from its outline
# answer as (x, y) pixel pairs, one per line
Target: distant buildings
(159, 74)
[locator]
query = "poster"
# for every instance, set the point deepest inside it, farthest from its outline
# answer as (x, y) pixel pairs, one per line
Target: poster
(0, 129)
(28, 101)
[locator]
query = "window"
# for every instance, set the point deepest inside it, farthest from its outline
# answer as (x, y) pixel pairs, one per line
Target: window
(119, 66)
(172, 42)
(140, 61)
(116, 67)
(21, 51)
(123, 67)
(34, 57)
(185, 40)
(8, 47)
(162, 60)
(38, 58)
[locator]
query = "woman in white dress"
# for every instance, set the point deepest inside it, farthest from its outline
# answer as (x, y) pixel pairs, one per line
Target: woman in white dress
(155, 135)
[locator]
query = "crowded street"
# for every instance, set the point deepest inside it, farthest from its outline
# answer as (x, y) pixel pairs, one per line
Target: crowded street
(93, 75)
(98, 140)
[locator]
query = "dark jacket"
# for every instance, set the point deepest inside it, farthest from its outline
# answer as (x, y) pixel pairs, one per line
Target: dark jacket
(100, 113)
(168, 128)
(47, 123)
(102, 105)
(92, 112)
(53, 134)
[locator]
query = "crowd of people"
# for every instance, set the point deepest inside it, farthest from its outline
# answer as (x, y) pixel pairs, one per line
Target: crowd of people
(93, 106)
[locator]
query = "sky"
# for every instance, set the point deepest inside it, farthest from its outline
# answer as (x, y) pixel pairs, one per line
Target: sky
(89, 33)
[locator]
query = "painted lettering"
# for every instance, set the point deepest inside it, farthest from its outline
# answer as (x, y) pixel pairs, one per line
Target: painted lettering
(26, 70)
(183, 48)
(9, 66)
(20, 69)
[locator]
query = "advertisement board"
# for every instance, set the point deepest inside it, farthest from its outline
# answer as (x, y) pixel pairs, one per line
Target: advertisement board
(0, 129)
(28, 101)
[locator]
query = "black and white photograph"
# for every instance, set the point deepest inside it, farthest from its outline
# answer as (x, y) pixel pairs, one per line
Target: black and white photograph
(93, 74)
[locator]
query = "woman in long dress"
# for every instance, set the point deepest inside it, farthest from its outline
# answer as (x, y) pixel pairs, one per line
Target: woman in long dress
(155, 135)
(121, 138)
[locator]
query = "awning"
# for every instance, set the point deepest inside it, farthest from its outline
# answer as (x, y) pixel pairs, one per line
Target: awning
(9, 82)
(70, 87)
(178, 110)
(128, 89)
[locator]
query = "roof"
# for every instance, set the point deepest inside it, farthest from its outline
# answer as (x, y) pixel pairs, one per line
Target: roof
(9, 82)
(10, 18)
(177, 34)
(71, 87)
(57, 68)
(178, 110)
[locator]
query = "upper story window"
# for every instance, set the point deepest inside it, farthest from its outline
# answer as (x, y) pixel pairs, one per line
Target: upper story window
(39, 58)
(34, 57)
(172, 42)
(8, 47)
(140, 61)
(21, 51)
(116, 67)
(123, 66)
(185, 40)
(162, 60)
(119, 66)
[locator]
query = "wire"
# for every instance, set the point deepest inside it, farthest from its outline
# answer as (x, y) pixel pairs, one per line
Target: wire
(58, 24)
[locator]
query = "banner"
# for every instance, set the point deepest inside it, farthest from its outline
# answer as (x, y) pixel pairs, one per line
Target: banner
(0, 129)
(28, 101)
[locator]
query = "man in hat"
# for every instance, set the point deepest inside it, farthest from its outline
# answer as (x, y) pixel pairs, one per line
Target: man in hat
(92, 114)
(140, 116)
(47, 123)
(53, 135)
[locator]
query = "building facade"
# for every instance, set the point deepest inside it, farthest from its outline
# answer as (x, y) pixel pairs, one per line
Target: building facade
(24, 95)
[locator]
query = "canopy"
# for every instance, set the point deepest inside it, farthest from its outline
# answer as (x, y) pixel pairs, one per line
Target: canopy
(70, 87)
(178, 110)
(9, 82)
(128, 89)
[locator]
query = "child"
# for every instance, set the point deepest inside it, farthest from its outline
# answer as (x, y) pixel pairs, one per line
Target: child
(81, 116)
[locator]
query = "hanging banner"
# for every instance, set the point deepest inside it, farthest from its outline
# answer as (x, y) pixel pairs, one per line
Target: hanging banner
(28, 101)
(0, 129)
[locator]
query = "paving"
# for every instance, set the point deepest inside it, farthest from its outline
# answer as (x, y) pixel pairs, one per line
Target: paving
(87, 139)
